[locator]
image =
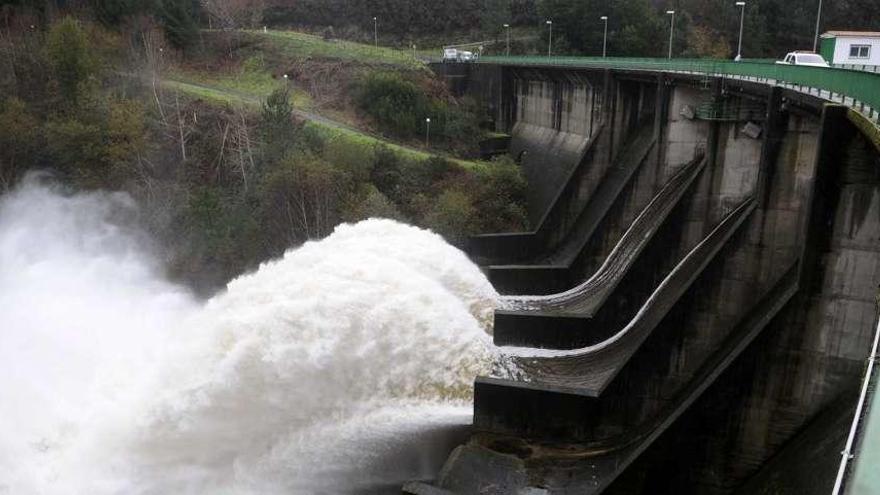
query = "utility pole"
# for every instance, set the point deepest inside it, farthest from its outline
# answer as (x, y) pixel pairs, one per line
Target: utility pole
(742, 17)
(604, 36)
(671, 30)
(427, 132)
(818, 19)
(550, 43)
(376, 32)
(507, 28)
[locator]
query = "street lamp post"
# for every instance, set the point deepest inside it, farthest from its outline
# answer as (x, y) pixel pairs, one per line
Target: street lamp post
(742, 17)
(507, 28)
(427, 132)
(818, 18)
(671, 30)
(604, 36)
(376, 32)
(550, 42)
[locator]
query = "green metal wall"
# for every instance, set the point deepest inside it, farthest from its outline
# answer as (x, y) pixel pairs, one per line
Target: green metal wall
(863, 88)
(826, 49)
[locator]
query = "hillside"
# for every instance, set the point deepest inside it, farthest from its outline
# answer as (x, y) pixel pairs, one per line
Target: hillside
(230, 162)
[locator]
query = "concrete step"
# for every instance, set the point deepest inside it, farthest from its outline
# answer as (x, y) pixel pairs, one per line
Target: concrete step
(520, 281)
(571, 381)
(564, 411)
(562, 320)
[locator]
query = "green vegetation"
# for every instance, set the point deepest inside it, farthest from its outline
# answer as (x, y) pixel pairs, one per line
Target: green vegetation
(69, 58)
(318, 129)
(252, 80)
(301, 45)
(635, 27)
(395, 103)
(228, 168)
(401, 108)
(213, 95)
(332, 79)
(177, 18)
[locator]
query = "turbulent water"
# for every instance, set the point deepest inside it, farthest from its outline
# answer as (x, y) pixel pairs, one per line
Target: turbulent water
(344, 365)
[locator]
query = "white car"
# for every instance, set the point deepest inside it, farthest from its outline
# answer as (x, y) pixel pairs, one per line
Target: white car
(456, 55)
(450, 55)
(804, 58)
(464, 56)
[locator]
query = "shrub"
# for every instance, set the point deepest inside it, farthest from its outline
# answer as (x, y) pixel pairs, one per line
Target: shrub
(386, 173)
(396, 104)
(349, 155)
(452, 216)
(221, 236)
(301, 199)
(370, 203)
(77, 148)
(421, 181)
(69, 54)
(499, 192)
(125, 130)
(20, 140)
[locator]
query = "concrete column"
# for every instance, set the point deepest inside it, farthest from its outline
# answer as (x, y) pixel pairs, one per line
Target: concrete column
(661, 112)
(824, 197)
(610, 111)
(712, 140)
(774, 132)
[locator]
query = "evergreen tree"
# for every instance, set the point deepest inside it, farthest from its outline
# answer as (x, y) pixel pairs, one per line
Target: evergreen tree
(178, 20)
(276, 124)
(495, 13)
(68, 52)
(111, 13)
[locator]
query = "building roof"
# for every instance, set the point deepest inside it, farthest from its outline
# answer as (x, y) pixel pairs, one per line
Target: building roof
(860, 34)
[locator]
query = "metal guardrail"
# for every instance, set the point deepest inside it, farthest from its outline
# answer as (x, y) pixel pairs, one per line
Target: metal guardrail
(861, 67)
(867, 391)
(855, 88)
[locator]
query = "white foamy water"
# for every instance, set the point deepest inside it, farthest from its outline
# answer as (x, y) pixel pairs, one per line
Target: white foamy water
(344, 365)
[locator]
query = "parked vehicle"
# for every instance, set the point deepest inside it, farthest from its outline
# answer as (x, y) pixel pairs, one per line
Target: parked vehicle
(456, 55)
(450, 55)
(466, 56)
(803, 58)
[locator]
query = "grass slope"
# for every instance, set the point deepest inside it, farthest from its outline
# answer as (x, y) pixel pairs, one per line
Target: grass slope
(323, 127)
(301, 45)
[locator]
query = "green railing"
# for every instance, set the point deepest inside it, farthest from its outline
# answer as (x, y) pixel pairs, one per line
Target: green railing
(861, 88)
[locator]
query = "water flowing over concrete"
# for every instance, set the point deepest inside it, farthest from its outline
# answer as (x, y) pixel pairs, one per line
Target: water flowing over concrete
(344, 365)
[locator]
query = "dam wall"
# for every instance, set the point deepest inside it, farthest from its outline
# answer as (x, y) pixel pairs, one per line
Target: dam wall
(758, 347)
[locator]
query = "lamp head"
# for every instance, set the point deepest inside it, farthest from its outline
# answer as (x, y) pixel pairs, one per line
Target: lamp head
(671, 12)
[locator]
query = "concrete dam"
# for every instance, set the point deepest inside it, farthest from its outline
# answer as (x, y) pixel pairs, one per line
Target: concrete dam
(694, 306)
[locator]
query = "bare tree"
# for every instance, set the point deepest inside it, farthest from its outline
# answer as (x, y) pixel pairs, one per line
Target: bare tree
(236, 155)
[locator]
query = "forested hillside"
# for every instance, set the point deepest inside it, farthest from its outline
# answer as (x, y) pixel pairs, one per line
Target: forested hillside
(239, 142)
(229, 162)
(636, 27)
